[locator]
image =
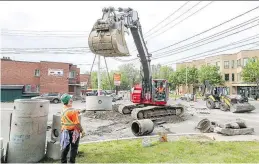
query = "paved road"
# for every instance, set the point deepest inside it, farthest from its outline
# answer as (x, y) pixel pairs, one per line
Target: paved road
(188, 126)
(252, 119)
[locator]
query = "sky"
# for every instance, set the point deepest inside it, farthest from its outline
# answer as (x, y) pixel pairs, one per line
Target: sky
(33, 24)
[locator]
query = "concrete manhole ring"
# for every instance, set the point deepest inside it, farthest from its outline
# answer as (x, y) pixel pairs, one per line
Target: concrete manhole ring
(100, 101)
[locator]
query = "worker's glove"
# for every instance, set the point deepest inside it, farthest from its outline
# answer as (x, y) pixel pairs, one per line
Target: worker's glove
(83, 134)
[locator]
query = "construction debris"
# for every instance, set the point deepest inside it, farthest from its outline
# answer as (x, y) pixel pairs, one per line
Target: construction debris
(202, 110)
(238, 127)
(233, 132)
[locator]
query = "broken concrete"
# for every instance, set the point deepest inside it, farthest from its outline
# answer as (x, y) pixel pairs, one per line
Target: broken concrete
(232, 132)
(242, 108)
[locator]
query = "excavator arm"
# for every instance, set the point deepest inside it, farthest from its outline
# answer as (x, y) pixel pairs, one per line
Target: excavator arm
(107, 38)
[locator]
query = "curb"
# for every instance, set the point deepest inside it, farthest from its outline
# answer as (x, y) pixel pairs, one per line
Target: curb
(142, 137)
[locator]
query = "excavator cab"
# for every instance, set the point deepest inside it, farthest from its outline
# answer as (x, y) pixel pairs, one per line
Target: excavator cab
(107, 37)
(160, 90)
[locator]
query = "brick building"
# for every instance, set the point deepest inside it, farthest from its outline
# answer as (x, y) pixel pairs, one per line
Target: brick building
(41, 77)
(230, 67)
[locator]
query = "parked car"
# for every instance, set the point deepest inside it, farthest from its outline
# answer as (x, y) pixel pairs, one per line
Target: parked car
(115, 97)
(52, 97)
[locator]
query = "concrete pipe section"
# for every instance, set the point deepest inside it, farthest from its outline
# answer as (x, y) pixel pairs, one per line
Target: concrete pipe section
(53, 146)
(56, 127)
(142, 127)
(204, 125)
(98, 103)
(28, 131)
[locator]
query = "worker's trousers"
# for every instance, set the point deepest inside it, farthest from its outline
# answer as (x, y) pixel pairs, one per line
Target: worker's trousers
(73, 152)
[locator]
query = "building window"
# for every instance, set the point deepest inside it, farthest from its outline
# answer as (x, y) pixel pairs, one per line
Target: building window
(239, 62)
(37, 88)
(233, 77)
(27, 88)
(72, 74)
(37, 72)
(233, 64)
(245, 60)
(227, 90)
(239, 77)
(218, 64)
(226, 64)
(226, 77)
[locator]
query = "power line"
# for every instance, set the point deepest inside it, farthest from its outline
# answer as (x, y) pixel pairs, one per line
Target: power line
(211, 50)
(181, 20)
(175, 18)
(168, 17)
(46, 48)
(207, 30)
(209, 55)
(61, 36)
(42, 31)
(216, 34)
(169, 53)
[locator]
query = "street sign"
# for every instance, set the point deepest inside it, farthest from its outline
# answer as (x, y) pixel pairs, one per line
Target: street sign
(117, 79)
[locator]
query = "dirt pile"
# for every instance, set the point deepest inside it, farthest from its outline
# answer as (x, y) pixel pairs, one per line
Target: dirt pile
(113, 115)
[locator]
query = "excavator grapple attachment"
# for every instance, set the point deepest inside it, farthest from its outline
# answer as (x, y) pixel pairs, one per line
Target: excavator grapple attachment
(108, 40)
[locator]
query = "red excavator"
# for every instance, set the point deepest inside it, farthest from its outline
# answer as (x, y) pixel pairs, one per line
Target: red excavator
(107, 38)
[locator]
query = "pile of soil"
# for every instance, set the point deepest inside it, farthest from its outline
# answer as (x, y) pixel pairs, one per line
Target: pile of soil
(113, 115)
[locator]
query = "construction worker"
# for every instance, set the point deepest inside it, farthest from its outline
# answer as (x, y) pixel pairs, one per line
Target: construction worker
(70, 130)
(161, 88)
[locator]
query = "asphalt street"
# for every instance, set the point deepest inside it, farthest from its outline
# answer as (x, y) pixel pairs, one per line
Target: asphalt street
(187, 126)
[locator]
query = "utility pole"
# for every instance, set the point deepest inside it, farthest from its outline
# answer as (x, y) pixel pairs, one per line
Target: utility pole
(99, 74)
(186, 76)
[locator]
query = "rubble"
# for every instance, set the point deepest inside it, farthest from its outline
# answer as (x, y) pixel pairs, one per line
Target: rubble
(238, 127)
(233, 132)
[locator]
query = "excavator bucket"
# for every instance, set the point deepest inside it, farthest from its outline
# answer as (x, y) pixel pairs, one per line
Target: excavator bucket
(108, 41)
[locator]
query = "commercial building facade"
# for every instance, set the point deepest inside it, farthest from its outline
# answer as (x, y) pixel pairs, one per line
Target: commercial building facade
(230, 67)
(41, 77)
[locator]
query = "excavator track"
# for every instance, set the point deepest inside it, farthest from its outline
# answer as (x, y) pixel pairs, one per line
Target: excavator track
(155, 112)
(126, 109)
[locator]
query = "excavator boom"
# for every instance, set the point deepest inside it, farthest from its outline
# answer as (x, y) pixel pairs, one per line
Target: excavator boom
(107, 38)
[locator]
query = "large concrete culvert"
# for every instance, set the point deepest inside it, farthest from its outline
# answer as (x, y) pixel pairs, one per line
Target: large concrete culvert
(142, 127)
(28, 131)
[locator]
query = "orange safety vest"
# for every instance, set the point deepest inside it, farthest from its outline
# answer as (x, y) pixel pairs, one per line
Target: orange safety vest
(160, 89)
(69, 119)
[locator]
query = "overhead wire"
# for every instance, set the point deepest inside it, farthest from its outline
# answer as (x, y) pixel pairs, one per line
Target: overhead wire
(174, 19)
(221, 47)
(170, 54)
(181, 21)
(205, 31)
(215, 35)
(167, 17)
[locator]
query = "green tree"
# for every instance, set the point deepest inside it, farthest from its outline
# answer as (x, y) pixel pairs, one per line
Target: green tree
(129, 76)
(210, 73)
(250, 72)
(161, 72)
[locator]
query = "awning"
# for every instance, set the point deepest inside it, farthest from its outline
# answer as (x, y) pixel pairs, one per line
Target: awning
(12, 86)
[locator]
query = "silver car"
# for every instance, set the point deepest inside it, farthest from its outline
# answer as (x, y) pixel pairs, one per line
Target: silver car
(52, 97)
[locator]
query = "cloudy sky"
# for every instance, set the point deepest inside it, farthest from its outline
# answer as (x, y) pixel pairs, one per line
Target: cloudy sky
(67, 24)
